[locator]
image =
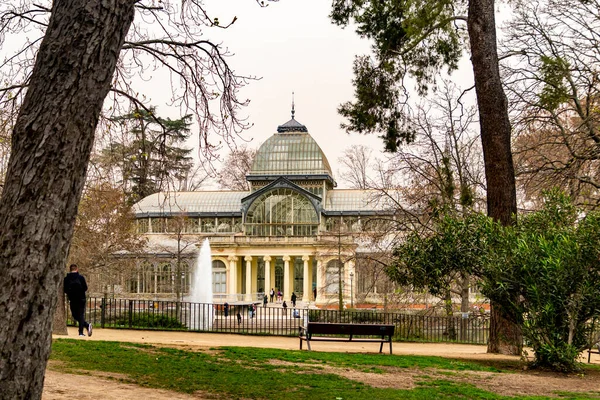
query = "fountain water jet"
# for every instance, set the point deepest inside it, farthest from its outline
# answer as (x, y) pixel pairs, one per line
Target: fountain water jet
(201, 315)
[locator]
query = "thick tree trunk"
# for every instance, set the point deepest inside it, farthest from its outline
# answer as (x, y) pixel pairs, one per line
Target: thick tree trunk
(464, 305)
(505, 336)
(51, 144)
(495, 139)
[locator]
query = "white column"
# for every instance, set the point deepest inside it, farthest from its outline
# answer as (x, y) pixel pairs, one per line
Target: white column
(286, 277)
(248, 260)
(232, 276)
(306, 296)
(321, 280)
(267, 274)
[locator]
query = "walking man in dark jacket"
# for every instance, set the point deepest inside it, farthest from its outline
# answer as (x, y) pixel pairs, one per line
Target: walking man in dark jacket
(75, 288)
(294, 299)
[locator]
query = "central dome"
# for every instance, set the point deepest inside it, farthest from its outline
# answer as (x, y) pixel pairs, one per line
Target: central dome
(291, 151)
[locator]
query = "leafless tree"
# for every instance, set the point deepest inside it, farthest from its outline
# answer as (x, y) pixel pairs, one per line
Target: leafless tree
(167, 39)
(443, 168)
(441, 172)
(179, 228)
(338, 241)
(356, 162)
(236, 166)
(104, 227)
(57, 83)
(551, 74)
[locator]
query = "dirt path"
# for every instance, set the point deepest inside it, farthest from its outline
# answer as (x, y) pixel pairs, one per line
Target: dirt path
(193, 339)
(61, 386)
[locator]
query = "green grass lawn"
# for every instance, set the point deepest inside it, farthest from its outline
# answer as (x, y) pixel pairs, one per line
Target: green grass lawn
(254, 373)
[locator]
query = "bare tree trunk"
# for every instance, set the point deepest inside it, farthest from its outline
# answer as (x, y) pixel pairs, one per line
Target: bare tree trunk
(51, 145)
(59, 322)
(505, 336)
(464, 306)
(495, 139)
(464, 293)
(451, 327)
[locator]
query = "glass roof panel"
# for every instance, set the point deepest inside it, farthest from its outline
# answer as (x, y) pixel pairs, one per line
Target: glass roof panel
(357, 200)
(192, 202)
(290, 153)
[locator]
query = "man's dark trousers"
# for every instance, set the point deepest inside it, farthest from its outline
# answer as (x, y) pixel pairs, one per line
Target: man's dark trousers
(78, 312)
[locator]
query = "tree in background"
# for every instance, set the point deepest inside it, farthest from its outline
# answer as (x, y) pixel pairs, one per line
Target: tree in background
(149, 154)
(552, 80)
(105, 227)
(180, 228)
(439, 173)
(338, 240)
(356, 162)
(452, 250)
(418, 39)
(58, 101)
(236, 166)
(442, 168)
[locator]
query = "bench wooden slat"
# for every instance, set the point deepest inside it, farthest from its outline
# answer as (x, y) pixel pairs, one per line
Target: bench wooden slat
(379, 333)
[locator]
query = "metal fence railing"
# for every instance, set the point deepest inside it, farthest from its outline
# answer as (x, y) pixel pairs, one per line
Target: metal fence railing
(274, 320)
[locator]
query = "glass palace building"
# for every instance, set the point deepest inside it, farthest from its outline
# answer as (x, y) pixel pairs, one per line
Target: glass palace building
(294, 231)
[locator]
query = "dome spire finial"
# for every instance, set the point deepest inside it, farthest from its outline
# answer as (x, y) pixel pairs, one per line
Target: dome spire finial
(292, 125)
(293, 111)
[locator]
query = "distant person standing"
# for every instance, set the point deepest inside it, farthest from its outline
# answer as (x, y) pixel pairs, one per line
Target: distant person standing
(265, 300)
(272, 294)
(75, 288)
(284, 305)
(293, 298)
(239, 317)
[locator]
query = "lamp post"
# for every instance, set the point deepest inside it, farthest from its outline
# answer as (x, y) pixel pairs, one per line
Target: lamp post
(351, 290)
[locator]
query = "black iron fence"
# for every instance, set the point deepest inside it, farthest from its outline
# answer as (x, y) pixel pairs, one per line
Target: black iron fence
(274, 320)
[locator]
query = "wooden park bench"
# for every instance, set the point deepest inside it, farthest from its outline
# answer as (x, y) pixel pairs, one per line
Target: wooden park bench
(328, 332)
(592, 350)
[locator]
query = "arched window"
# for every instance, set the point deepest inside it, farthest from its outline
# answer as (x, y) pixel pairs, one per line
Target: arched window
(165, 278)
(182, 280)
(219, 277)
(281, 212)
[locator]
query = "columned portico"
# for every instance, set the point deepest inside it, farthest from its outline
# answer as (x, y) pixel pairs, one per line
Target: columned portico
(281, 233)
(248, 260)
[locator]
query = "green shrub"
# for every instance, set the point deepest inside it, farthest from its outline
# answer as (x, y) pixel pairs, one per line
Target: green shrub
(367, 317)
(148, 320)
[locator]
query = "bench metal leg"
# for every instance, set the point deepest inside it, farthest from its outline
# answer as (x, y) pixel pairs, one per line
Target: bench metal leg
(308, 344)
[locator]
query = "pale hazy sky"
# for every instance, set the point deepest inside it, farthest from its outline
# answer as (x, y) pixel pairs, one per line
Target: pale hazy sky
(292, 46)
